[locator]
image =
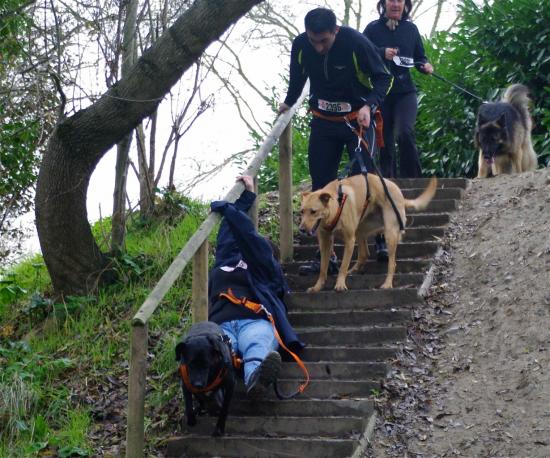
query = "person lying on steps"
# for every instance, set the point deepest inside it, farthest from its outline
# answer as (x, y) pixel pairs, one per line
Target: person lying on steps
(245, 268)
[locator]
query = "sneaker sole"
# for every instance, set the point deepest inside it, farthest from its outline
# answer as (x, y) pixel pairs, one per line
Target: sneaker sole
(269, 371)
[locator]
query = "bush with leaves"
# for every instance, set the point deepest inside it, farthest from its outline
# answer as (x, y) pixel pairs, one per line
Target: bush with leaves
(494, 45)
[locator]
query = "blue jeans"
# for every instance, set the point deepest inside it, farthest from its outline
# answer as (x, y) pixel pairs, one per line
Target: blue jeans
(252, 339)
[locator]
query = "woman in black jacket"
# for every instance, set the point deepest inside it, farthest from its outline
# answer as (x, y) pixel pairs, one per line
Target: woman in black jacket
(393, 34)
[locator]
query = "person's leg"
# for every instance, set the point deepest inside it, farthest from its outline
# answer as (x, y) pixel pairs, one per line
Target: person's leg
(388, 153)
(258, 344)
(324, 155)
(228, 327)
(324, 152)
(405, 118)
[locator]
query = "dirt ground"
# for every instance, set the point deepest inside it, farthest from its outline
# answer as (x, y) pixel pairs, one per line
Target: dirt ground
(474, 377)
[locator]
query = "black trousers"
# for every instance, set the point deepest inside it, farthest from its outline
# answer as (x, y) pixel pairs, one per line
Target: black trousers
(326, 145)
(399, 114)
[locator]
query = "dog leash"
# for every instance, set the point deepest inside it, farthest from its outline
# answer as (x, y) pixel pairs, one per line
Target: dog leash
(259, 308)
(404, 62)
(362, 141)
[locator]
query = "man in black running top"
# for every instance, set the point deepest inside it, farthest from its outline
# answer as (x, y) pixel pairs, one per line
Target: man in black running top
(347, 78)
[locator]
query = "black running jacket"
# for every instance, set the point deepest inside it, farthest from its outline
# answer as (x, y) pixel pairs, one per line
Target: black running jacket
(405, 37)
(350, 76)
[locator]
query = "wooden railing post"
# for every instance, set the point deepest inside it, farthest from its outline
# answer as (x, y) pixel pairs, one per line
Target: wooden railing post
(199, 301)
(135, 433)
(285, 194)
(253, 212)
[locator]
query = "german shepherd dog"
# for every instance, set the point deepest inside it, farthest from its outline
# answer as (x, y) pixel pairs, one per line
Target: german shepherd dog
(207, 373)
(322, 213)
(503, 134)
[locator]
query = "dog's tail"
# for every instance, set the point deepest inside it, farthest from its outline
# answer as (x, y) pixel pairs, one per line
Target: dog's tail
(422, 201)
(517, 95)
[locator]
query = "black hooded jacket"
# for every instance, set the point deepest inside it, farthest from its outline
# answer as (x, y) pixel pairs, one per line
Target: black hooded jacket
(405, 37)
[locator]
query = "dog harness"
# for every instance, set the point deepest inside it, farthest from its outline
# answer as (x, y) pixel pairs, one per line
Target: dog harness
(259, 308)
(361, 140)
(342, 200)
(217, 380)
(235, 361)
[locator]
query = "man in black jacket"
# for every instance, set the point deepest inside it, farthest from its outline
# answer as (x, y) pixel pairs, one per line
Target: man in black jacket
(347, 79)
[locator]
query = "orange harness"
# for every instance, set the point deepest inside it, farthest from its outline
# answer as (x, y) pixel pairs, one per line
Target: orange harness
(259, 308)
(379, 129)
(342, 200)
(217, 381)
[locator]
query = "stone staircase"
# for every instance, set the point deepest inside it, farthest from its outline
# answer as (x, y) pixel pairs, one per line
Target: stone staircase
(350, 335)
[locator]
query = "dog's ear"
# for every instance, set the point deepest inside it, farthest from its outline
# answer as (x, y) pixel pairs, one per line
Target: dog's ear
(180, 348)
(305, 194)
(215, 343)
(325, 197)
(501, 121)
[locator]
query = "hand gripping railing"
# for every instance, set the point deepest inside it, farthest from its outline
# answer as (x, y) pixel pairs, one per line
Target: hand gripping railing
(197, 249)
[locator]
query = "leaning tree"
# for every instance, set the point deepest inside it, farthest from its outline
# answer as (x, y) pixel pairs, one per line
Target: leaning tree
(74, 261)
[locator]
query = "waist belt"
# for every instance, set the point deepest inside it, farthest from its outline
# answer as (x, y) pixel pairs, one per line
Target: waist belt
(349, 117)
(259, 308)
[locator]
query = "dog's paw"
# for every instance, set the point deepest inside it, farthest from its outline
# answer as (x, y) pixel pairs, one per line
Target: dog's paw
(315, 288)
(386, 285)
(340, 286)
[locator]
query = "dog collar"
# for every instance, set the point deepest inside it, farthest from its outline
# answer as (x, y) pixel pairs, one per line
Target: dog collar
(217, 380)
(341, 201)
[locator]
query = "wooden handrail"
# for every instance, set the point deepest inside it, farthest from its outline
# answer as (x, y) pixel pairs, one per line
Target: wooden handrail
(180, 262)
(197, 245)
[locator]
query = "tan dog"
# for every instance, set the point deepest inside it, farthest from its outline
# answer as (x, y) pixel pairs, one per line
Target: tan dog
(319, 212)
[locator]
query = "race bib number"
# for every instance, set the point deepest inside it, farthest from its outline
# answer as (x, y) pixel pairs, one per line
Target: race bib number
(408, 61)
(334, 107)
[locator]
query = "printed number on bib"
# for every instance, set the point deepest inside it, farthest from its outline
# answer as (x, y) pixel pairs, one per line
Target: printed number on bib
(334, 107)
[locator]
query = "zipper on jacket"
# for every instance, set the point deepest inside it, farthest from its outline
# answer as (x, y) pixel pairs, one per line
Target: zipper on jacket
(325, 66)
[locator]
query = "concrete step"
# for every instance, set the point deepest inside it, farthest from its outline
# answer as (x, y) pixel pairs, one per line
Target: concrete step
(355, 281)
(199, 446)
(352, 300)
(352, 336)
(334, 370)
(440, 194)
(302, 407)
(427, 220)
(372, 266)
(343, 317)
(319, 389)
(408, 183)
(406, 250)
(378, 352)
(437, 206)
(333, 426)
(412, 234)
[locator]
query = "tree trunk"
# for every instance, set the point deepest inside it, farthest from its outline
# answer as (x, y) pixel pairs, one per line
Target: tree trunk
(129, 54)
(70, 252)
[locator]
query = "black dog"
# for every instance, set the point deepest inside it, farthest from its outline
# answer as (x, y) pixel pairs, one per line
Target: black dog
(207, 372)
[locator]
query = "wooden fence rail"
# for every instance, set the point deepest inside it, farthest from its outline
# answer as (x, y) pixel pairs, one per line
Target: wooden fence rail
(196, 249)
